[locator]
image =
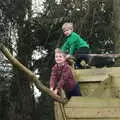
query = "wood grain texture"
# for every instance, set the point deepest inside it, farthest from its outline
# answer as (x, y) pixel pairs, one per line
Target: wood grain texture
(93, 108)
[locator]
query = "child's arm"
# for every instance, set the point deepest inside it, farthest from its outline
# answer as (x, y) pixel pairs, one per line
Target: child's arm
(51, 88)
(72, 48)
(65, 46)
(55, 91)
(64, 77)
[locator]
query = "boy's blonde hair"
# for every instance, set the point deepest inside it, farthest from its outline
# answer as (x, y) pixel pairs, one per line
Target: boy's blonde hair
(67, 25)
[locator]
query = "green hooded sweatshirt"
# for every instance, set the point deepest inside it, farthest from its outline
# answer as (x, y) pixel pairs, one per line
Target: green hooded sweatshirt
(73, 43)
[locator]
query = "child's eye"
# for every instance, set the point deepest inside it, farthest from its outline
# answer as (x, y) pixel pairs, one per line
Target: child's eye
(60, 56)
(65, 30)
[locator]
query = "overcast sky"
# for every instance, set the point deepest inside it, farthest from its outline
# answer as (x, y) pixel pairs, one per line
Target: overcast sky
(37, 5)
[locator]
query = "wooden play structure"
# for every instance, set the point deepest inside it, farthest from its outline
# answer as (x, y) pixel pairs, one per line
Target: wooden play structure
(100, 89)
(100, 98)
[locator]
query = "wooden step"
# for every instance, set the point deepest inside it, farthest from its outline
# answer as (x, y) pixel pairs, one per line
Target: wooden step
(92, 108)
(95, 74)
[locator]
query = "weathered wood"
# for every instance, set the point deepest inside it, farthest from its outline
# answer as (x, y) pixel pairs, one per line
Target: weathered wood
(59, 111)
(95, 74)
(59, 108)
(115, 89)
(116, 80)
(93, 71)
(98, 71)
(93, 113)
(103, 86)
(91, 79)
(87, 102)
(92, 119)
(87, 88)
(93, 108)
(96, 83)
(100, 107)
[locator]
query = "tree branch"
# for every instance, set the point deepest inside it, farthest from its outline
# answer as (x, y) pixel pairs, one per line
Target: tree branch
(32, 76)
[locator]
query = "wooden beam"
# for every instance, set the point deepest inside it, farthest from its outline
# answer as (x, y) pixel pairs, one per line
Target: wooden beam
(91, 102)
(99, 91)
(92, 108)
(94, 113)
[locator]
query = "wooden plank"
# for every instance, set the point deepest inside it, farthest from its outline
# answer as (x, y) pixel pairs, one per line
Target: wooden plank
(90, 75)
(94, 72)
(58, 111)
(93, 119)
(93, 112)
(93, 108)
(91, 72)
(103, 86)
(116, 80)
(87, 88)
(91, 102)
(95, 78)
(96, 75)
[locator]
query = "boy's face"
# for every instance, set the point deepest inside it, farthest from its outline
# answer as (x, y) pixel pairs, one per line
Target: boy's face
(67, 31)
(59, 57)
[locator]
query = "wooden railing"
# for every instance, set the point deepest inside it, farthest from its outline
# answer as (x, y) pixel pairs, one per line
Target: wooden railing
(59, 110)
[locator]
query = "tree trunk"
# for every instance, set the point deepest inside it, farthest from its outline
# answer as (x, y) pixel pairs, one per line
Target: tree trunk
(116, 25)
(20, 87)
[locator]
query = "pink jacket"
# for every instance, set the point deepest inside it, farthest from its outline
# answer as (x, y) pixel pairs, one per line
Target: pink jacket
(61, 77)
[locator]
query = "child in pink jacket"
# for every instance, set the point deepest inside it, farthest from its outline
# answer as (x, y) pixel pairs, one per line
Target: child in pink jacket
(61, 77)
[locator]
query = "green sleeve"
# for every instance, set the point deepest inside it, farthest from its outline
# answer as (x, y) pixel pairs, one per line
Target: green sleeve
(65, 46)
(72, 49)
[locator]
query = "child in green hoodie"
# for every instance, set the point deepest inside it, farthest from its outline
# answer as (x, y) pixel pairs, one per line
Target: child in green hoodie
(74, 44)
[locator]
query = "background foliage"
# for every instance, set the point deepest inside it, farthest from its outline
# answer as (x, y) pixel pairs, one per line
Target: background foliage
(24, 31)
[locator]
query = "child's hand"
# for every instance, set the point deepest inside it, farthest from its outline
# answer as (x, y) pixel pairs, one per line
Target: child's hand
(55, 91)
(68, 56)
(51, 89)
